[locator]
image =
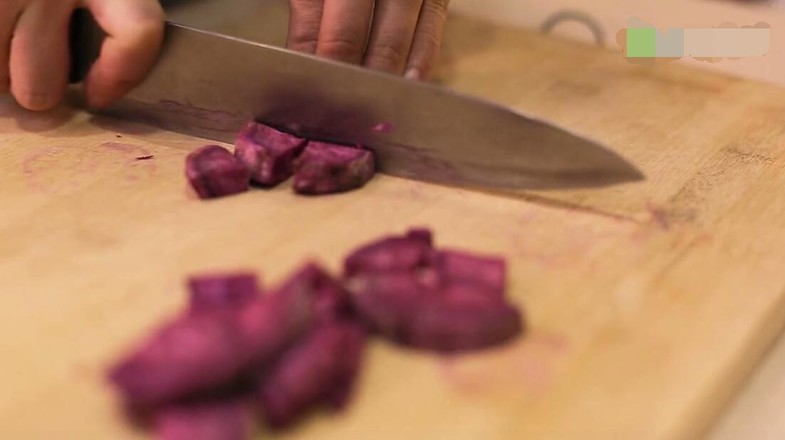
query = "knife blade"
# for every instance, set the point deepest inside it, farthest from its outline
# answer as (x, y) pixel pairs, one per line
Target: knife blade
(209, 85)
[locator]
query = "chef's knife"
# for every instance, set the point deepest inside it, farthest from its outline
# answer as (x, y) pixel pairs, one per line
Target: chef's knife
(209, 85)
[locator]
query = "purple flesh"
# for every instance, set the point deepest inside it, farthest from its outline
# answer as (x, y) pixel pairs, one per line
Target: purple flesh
(385, 302)
(191, 353)
(214, 172)
(421, 234)
(212, 291)
(351, 361)
(201, 351)
(313, 372)
(227, 419)
(328, 168)
(267, 153)
(458, 267)
(389, 254)
(331, 300)
(269, 326)
(302, 347)
(456, 327)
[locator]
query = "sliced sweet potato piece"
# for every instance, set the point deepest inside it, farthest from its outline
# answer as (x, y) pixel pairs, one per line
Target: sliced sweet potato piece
(457, 267)
(421, 234)
(200, 351)
(398, 253)
(269, 326)
(331, 300)
(329, 168)
(351, 361)
(214, 172)
(385, 302)
(191, 353)
(268, 154)
(314, 372)
(212, 419)
(221, 291)
(448, 326)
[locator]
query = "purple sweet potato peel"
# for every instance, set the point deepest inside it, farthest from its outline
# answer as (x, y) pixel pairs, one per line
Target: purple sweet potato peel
(300, 347)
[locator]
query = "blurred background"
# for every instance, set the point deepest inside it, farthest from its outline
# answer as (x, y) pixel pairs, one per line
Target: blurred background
(593, 22)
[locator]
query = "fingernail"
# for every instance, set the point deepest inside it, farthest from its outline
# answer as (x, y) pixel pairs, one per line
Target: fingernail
(413, 73)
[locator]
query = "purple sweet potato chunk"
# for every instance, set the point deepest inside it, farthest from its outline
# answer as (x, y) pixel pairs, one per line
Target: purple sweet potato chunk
(201, 351)
(449, 326)
(385, 302)
(351, 361)
(421, 234)
(215, 291)
(224, 419)
(270, 325)
(458, 267)
(191, 353)
(214, 172)
(331, 300)
(267, 153)
(312, 373)
(389, 255)
(328, 168)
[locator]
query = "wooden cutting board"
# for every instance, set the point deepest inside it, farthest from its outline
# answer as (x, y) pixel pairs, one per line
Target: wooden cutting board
(648, 303)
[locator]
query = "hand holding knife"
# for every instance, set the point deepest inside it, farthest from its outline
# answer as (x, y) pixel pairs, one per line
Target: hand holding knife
(388, 35)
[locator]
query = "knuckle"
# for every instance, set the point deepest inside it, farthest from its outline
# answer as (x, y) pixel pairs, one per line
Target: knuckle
(302, 44)
(437, 7)
(300, 5)
(386, 55)
(431, 40)
(340, 47)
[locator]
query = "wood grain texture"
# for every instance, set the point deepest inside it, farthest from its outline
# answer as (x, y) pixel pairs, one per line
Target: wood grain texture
(648, 303)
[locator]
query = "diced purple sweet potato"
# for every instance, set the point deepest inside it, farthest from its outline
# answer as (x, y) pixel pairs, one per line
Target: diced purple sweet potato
(385, 302)
(399, 253)
(421, 234)
(457, 267)
(216, 291)
(331, 300)
(269, 154)
(329, 168)
(311, 373)
(214, 172)
(351, 361)
(449, 328)
(223, 419)
(200, 351)
(270, 325)
(191, 353)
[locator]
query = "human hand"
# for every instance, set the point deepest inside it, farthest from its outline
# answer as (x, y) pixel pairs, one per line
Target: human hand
(35, 57)
(396, 36)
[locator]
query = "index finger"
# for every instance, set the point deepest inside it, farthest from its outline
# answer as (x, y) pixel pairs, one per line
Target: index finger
(135, 30)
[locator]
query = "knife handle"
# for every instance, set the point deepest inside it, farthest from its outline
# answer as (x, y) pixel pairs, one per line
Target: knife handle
(85, 43)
